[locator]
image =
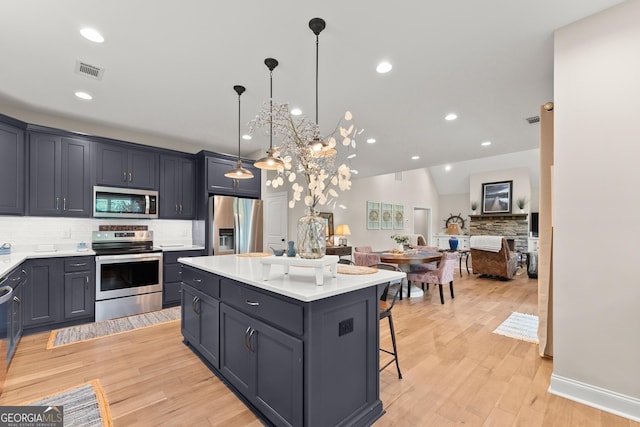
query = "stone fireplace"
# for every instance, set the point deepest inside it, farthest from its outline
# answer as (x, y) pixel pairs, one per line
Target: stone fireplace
(514, 227)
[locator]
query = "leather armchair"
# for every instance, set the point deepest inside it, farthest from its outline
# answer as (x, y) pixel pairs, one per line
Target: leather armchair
(503, 263)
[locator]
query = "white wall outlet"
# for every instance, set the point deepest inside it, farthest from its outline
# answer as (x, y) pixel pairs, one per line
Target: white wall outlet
(66, 233)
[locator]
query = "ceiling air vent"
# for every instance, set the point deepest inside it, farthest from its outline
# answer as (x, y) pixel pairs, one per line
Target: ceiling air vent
(533, 120)
(88, 70)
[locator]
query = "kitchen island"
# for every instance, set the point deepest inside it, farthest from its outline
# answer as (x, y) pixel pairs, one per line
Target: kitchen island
(297, 353)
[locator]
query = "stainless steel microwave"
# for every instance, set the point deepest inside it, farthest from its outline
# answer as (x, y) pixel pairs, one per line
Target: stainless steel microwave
(111, 202)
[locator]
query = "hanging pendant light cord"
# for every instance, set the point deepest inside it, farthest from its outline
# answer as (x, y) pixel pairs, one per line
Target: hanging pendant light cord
(270, 109)
(317, 50)
(239, 118)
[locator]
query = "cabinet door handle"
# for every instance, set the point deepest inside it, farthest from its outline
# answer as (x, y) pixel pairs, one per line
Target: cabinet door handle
(78, 264)
(246, 338)
(57, 203)
(251, 349)
(130, 177)
(124, 176)
(17, 300)
(64, 203)
(252, 303)
(177, 208)
(181, 208)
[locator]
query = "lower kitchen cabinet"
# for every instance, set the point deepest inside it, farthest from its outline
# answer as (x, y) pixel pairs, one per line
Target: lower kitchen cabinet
(16, 280)
(43, 292)
(258, 360)
(79, 288)
(172, 279)
(200, 318)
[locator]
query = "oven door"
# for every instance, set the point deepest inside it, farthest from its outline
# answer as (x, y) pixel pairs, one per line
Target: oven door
(126, 275)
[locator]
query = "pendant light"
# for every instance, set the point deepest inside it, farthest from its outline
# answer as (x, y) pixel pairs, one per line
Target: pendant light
(270, 162)
(317, 25)
(239, 172)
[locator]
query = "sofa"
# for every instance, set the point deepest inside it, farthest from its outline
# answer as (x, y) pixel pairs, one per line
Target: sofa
(491, 256)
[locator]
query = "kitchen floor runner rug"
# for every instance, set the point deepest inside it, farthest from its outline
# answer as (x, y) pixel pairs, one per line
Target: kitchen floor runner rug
(82, 406)
(103, 328)
(520, 326)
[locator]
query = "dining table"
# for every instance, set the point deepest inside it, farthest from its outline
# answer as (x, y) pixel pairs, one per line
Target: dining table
(404, 261)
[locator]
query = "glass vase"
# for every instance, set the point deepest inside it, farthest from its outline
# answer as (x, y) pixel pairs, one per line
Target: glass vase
(311, 235)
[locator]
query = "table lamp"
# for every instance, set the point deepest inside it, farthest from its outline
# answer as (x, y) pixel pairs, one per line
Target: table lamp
(342, 230)
(453, 230)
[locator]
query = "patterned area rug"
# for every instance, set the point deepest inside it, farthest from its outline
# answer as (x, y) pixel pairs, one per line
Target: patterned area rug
(520, 326)
(82, 406)
(103, 328)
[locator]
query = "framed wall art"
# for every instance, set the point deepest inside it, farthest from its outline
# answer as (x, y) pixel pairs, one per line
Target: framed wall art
(398, 217)
(386, 210)
(373, 215)
(328, 223)
(496, 197)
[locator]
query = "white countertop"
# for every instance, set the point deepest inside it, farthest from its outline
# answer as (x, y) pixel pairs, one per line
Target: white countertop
(299, 284)
(168, 247)
(10, 261)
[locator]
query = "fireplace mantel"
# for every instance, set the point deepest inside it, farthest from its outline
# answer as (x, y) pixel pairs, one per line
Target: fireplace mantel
(499, 216)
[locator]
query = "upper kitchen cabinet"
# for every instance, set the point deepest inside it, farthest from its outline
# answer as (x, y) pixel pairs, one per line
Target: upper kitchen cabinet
(11, 170)
(59, 176)
(177, 187)
(217, 183)
(120, 166)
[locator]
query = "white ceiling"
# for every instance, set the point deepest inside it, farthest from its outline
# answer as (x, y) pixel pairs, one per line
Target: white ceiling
(170, 68)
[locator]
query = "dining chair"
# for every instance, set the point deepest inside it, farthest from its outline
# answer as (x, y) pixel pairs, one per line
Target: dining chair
(442, 275)
(385, 312)
(363, 255)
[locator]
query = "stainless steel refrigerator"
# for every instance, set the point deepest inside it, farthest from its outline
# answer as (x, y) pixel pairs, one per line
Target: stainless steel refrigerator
(235, 225)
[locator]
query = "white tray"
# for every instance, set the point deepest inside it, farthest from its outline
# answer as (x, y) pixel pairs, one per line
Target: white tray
(318, 264)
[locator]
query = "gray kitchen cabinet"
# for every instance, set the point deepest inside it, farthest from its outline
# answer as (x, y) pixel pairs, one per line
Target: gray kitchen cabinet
(258, 359)
(177, 187)
(295, 363)
(200, 317)
(42, 293)
(59, 176)
(79, 287)
(172, 277)
(217, 183)
(12, 179)
(121, 166)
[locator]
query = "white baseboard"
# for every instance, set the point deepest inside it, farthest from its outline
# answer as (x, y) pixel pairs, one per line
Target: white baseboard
(600, 398)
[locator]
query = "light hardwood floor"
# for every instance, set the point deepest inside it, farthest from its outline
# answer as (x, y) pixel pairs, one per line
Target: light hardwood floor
(456, 372)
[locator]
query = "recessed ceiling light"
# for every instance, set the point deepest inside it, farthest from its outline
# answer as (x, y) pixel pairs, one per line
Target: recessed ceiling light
(415, 157)
(91, 34)
(351, 156)
(371, 141)
(83, 95)
(355, 171)
(451, 116)
(384, 67)
(296, 111)
(486, 143)
(246, 137)
(447, 168)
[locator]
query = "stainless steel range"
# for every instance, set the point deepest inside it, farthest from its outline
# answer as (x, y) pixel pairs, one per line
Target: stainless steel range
(128, 272)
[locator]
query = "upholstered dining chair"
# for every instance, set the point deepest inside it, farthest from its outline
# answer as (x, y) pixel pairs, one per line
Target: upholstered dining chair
(362, 255)
(440, 276)
(385, 312)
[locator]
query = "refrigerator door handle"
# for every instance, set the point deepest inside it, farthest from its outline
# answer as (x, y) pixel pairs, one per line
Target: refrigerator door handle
(236, 233)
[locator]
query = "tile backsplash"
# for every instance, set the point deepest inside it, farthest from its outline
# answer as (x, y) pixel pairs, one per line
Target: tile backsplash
(25, 232)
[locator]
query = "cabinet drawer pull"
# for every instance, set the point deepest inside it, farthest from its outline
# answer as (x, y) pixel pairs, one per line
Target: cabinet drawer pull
(78, 264)
(252, 303)
(17, 300)
(16, 279)
(197, 280)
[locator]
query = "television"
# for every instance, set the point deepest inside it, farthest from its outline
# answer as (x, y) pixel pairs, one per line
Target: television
(533, 224)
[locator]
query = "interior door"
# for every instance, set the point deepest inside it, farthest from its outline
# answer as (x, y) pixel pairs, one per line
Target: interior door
(275, 220)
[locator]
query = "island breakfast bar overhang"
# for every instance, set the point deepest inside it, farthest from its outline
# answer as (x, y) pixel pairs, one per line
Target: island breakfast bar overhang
(298, 353)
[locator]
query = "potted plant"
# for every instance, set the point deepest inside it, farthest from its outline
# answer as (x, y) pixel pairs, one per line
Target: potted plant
(474, 207)
(401, 241)
(521, 203)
